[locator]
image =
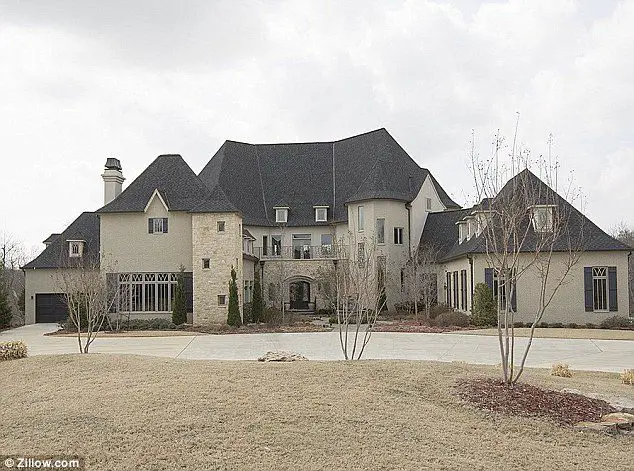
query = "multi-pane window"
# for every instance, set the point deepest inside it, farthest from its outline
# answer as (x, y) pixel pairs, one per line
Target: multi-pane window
(146, 292)
(463, 290)
(600, 288)
(360, 219)
(157, 225)
(448, 289)
(75, 248)
(326, 245)
(206, 263)
(221, 226)
(281, 214)
(222, 300)
(380, 231)
(248, 291)
(321, 214)
(428, 204)
(276, 245)
(455, 290)
(542, 217)
(398, 236)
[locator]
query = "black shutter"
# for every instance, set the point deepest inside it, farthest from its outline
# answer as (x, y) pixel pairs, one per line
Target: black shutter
(488, 279)
(189, 290)
(165, 225)
(587, 288)
(614, 299)
(150, 226)
(514, 297)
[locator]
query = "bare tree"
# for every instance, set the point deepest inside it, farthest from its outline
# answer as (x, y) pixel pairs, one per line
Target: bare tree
(358, 295)
(528, 230)
(422, 278)
(90, 297)
(12, 256)
(626, 235)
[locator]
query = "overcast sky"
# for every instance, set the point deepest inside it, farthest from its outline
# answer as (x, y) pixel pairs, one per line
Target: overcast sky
(83, 81)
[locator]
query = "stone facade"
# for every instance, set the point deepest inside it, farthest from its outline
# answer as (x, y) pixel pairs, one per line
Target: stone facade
(224, 250)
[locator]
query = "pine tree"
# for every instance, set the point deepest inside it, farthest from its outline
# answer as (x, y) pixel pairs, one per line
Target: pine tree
(179, 308)
(256, 303)
(233, 316)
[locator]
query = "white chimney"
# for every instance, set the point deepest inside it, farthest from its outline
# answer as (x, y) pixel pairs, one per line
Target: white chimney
(112, 180)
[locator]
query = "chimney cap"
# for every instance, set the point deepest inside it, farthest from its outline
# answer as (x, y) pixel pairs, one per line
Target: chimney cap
(113, 164)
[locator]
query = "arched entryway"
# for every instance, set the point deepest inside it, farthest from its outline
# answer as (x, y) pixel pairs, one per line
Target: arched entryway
(299, 295)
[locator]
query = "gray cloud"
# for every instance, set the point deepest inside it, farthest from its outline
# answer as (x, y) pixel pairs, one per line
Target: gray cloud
(87, 80)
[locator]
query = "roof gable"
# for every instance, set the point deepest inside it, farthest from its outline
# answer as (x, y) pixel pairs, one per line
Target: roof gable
(179, 187)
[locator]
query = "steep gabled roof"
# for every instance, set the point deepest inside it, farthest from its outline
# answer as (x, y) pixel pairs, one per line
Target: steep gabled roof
(257, 177)
(86, 228)
(172, 177)
(441, 228)
(216, 202)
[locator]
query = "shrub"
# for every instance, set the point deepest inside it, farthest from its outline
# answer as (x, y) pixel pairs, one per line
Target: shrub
(543, 325)
(438, 309)
(271, 315)
(325, 312)
(561, 369)
(616, 322)
(179, 310)
(572, 325)
(148, 324)
(591, 326)
(556, 325)
(233, 314)
(333, 320)
(447, 319)
(484, 308)
(518, 325)
(257, 304)
(627, 377)
(12, 350)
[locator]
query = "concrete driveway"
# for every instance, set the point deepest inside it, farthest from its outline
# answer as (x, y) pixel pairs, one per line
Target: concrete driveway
(598, 355)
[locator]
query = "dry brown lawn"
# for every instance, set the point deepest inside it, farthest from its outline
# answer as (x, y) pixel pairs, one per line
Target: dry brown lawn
(131, 412)
(553, 333)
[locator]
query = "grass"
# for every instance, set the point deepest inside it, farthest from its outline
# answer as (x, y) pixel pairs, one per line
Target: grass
(554, 333)
(131, 412)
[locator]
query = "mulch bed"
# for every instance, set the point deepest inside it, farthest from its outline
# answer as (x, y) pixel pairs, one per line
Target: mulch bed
(530, 401)
(416, 327)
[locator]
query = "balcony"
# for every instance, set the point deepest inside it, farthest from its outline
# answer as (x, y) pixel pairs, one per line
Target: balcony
(298, 252)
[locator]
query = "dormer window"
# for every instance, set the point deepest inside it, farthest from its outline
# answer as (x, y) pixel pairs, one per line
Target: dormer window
(321, 213)
(157, 226)
(281, 214)
(469, 227)
(461, 232)
(75, 248)
(542, 218)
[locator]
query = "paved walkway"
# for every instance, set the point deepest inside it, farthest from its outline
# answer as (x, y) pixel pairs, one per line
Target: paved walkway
(598, 355)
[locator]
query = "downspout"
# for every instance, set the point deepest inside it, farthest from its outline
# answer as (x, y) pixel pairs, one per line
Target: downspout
(408, 206)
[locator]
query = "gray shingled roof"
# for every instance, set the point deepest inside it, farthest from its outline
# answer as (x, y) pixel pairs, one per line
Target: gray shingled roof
(257, 177)
(86, 228)
(216, 202)
(176, 181)
(441, 229)
(51, 238)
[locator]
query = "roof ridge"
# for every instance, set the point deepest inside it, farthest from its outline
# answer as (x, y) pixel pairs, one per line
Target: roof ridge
(307, 142)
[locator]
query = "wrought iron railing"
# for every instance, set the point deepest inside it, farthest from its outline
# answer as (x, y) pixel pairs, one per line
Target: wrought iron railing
(298, 252)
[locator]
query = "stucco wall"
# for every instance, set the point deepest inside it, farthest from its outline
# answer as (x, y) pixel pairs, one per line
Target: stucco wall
(224, 249)
(128, 246)
(40, 281)
(568, 305)
(419, 209)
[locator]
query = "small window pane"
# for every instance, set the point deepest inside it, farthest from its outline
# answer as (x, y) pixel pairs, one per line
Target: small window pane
(221, 226)
(206, 263)
(361, 219)
(380, 231)
(222, 300)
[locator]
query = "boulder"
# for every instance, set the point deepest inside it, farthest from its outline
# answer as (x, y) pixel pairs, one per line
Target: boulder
(596, 427)
(621, 420)
(282, 356)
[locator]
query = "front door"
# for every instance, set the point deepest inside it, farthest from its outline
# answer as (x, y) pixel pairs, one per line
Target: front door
(299, 294)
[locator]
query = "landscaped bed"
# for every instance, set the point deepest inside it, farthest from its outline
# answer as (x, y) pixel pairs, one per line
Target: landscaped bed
(562, 333)
(130, 412)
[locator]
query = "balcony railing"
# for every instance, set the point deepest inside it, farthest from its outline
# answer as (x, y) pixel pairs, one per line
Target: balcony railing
(298, 252)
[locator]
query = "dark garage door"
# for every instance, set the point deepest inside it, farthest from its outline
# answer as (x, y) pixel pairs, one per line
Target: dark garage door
(50, 307)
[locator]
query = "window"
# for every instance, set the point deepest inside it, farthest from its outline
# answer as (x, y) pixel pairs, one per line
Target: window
(265, 245)
(206, 263)
(460, 232)
(380, 231)
(321, 214)
(463, 290)
(75, 248)
(326, 245)
(248, 291)
(221, 226)
(146, 292)
(222, 300)
(455, 290)
(281, 214)
(398, 236)
(600, 288)
(301, 246)
(276, 245)
(428, 204)
(448, 289)
(542, 217)
(469, 224)
(157, 225)
(360, 219)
